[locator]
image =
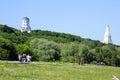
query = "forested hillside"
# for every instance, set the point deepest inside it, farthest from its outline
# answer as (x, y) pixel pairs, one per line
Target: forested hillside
(53, 46)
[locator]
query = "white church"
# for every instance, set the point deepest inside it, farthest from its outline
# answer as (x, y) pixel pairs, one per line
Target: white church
(26, 27)
(107, 36)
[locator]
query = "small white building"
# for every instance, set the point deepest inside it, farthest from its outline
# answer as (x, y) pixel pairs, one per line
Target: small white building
(107, 36)
(26, 25)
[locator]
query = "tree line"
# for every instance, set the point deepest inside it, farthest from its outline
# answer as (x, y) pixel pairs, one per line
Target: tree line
(52, 46)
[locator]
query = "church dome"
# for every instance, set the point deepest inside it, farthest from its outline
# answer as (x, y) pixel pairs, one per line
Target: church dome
(25, 18)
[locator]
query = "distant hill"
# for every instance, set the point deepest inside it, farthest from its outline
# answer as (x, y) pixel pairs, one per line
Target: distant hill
(15, 35)
(45, 45)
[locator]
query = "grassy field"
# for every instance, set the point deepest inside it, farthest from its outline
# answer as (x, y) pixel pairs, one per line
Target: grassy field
(56, 71)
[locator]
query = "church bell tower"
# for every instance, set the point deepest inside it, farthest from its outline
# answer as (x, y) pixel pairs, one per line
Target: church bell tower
(26, 25)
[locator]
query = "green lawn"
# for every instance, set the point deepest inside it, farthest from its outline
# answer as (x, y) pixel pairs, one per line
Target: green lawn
(56, 71)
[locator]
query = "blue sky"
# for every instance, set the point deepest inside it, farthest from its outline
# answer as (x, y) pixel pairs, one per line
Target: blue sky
(85, 18)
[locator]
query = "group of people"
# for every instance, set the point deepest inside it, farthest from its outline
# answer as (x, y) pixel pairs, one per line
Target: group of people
(24, 58)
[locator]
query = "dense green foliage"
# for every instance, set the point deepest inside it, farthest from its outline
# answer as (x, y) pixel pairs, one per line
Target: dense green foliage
(52, 46)
(45, 50)
(56, 71)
